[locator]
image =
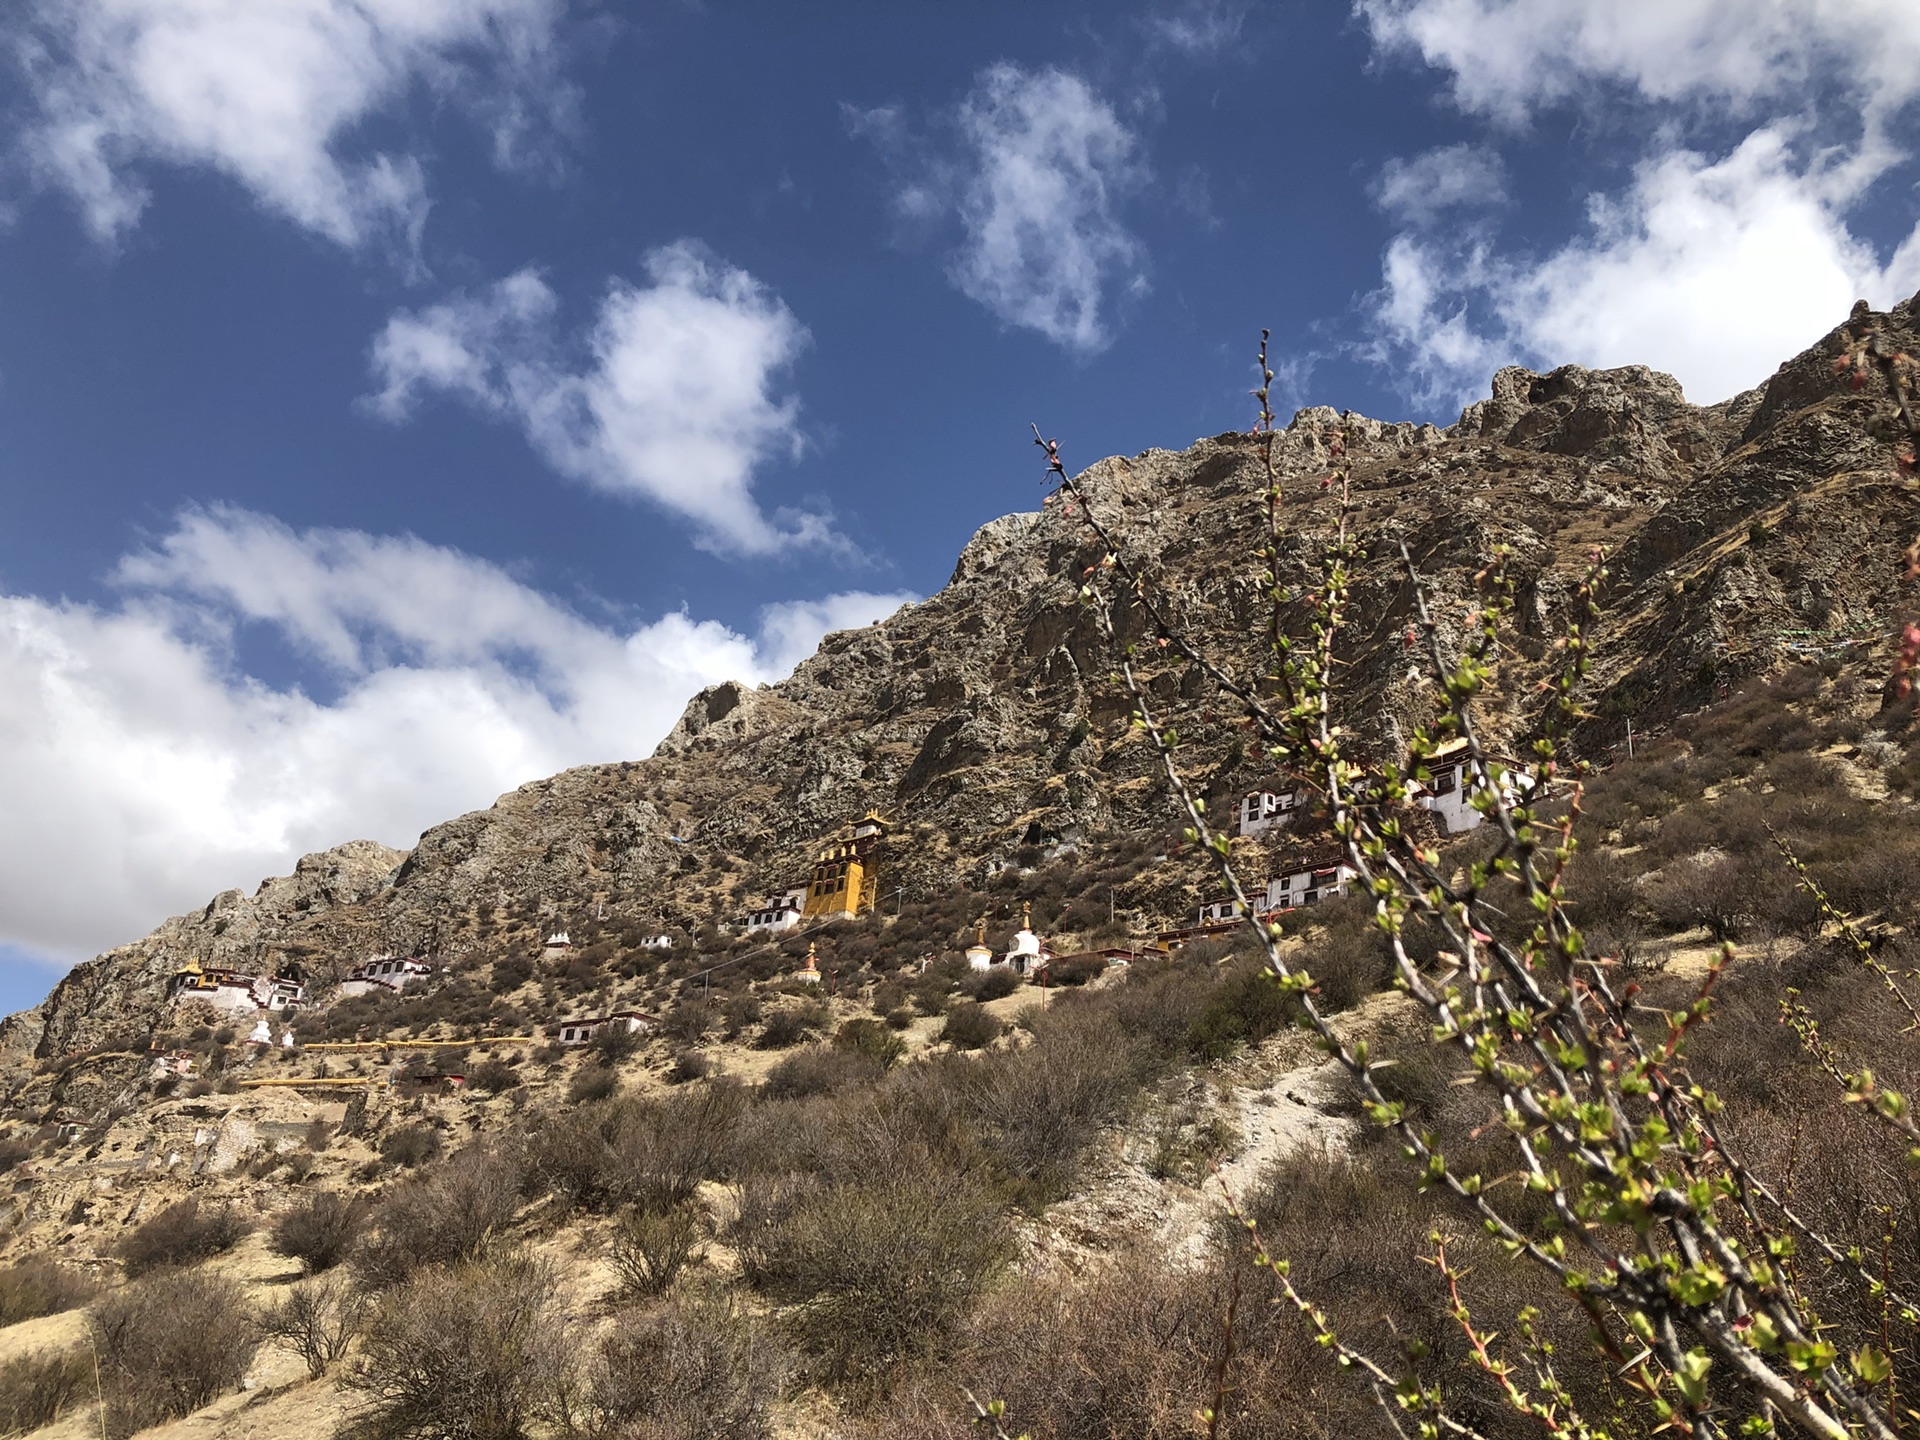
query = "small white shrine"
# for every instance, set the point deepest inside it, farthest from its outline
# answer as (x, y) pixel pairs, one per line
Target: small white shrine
(261, 1034)
(980, 954)
(557, 945)
(1028, 954)
(810, 972)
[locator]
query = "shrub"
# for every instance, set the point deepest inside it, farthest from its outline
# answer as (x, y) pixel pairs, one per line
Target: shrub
(37, 1389)
(1076, 971)
(509, 974)
(871, 1039)
(448, 1215)
(168, 1345)
(475, 1353)
(592, 1082)
(653, 1151)
(688, 1066)
(1716, 892)
(319, 1230)
(1041, 1106)
(693, 1369)
(818, 1070)
(38, 1286)
(651, 1247)
(689, 1021)
(994, 984)
(616, 1043)
(740, 1012)
(788, 1026)
(878, 1270)
(411, 1145)
(969, 1026)
(317, 1321)
(181, 1234)
(1245, 1005)
(494, 1075)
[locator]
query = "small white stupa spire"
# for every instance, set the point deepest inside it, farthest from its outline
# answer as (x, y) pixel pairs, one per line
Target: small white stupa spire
(810, 973)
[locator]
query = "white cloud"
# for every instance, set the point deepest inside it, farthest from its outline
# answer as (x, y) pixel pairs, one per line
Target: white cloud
(1454, 177)
(144, 772)
(1714, 271)
(1199, 28)
(673, 399)
(269, 94)
(1507, 57)
(1713, 267)
(1035, 177)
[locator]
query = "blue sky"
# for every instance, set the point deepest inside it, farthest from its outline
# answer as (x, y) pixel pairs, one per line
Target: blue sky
(404, 399)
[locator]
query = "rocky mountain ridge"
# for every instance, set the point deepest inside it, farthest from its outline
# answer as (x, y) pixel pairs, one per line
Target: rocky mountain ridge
(984, 718)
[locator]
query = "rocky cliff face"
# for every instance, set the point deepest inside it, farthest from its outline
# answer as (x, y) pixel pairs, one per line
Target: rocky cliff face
(985, 719)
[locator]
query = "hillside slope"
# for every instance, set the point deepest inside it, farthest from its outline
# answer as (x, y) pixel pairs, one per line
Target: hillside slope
(983, 719)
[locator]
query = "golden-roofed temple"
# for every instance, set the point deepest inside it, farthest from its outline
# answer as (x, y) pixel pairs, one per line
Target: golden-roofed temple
(845, 879)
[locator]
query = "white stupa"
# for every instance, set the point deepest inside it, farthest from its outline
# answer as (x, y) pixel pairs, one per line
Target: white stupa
(262, 1033)
(1027, 954)
(811, 972)
(980, 954)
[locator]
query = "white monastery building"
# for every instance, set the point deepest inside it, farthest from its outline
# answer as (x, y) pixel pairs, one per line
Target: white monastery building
(1262, 810)
(384, 972)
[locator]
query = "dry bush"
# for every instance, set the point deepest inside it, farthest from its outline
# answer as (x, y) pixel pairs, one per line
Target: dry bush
(37, 1389)
(1716, 892)
(616, 1043)
(994, 984)
(1039, 1107)
(877, 1270)
(870, 1038)
(451, 1214)
(689, 1021)
(693, 1369)
(473, 1353)
(1245, 1005)
(168, 1345)
(494, 1075)
(592, 1082)
(788, 1026)
(652, 1151)
(318, 1321)
(320, 1230)
(818, 1070)
(688, 1066)
(38, 1286)
(970, 1026)
(181, 1234)
(411, 1145)
(651, 1247)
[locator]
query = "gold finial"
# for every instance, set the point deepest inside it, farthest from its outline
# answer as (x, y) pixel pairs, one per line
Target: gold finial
(1026, 915)
(980, 929)
(812, 948)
